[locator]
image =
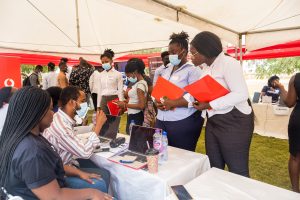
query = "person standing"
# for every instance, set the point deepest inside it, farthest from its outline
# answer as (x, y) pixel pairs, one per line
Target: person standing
(34, 77)
(230, 120)
(292, 98)
(94, 85)
(110, 82)
(160, 70)
(62, 80)
(50, 78)
(5, 95)
(178, 118)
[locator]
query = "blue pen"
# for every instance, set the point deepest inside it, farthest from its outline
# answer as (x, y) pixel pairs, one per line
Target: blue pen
(126, 162)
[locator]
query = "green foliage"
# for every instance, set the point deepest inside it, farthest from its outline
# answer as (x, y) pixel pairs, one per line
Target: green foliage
(270, 67)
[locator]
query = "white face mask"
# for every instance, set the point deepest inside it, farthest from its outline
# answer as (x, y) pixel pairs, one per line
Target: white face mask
(83, 110)
(106, 66)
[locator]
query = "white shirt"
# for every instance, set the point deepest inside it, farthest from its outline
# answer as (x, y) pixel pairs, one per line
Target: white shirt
(110, 83)
(133, 96)
(3, 112)
(158, 72)
(229, 73)
(50, 80)
(93, 84)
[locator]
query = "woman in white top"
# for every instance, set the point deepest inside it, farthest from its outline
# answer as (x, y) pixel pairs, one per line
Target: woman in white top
(5, 95)
(137, 94)
(110, 82)
(230, 121)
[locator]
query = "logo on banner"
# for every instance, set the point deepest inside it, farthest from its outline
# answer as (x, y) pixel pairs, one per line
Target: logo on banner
(9, 83)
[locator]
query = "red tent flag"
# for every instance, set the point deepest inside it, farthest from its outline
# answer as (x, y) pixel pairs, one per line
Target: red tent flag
(164, 88)
(206, 89)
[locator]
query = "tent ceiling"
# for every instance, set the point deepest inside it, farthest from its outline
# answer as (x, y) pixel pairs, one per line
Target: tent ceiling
(127, 25)
(264, 23)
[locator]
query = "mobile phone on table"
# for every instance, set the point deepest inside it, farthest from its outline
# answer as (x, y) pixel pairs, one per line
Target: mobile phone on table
(181, 192)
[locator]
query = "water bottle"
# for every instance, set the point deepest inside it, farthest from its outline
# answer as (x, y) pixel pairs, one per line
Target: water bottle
(157, 143)
(164, 151)
(132, 123)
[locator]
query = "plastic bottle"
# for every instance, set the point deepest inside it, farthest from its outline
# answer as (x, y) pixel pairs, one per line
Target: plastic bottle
(164, 151)
(157, 143)
(132, 123)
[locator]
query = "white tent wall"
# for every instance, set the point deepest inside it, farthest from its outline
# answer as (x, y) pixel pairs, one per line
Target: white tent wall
(256, 19)
(50, 27)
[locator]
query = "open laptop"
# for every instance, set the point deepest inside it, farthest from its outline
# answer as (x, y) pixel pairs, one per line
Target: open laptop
(138, 146)
(256, 97)
(110, 129)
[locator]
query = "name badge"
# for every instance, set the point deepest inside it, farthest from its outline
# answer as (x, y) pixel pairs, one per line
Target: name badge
(175, 78)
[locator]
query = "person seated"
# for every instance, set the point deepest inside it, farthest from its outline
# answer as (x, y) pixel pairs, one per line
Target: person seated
(5, 95)
(54, 93)
(270, 90)
(68, 144)
(29, 165)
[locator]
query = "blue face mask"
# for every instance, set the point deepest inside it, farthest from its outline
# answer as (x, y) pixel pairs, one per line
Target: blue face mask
(174, 60)
(83, 110)
(132, 80)
(106, 66)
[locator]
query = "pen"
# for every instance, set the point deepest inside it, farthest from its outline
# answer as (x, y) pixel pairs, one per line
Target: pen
(126, 162)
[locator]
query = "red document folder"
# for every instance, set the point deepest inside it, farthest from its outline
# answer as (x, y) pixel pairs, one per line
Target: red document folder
(206, 89)
(113, 107)
(164, 88)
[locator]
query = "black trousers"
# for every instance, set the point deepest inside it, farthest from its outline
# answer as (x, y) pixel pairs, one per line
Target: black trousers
(94, 98)
(184, 133)
(227, 141)
(137, 118)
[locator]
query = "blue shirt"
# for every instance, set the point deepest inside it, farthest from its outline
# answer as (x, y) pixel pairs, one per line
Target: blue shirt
(184, 76)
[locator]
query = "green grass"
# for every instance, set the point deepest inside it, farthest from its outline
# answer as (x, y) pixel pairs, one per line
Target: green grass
(268, 158)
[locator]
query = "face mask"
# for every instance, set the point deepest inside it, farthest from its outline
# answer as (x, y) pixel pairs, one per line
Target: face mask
(132, 80)
(174, 60)
(106, 66)
(83, 110)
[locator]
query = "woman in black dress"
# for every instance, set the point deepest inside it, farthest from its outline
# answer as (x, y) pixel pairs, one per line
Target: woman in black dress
(292, 98)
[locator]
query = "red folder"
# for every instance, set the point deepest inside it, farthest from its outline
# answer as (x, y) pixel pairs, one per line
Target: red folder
(206, 89)
(164, 88)
(113, 107)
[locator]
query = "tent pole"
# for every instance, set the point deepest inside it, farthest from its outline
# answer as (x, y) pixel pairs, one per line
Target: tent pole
(235, 52)
(241, 48)
(77, 24)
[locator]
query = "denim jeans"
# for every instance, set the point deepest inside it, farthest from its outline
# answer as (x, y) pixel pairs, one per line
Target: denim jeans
(78, 183)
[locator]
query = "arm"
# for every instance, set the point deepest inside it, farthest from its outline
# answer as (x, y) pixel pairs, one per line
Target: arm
(142, 101)
(52, 191)
(120, 87)
(73, 171)
(45, 82)
(91, 81)
(290, 96)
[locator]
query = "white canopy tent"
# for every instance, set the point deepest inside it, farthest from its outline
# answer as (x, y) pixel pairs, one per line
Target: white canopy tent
(125, 25)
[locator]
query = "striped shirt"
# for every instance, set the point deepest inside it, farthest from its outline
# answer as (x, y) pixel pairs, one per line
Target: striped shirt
(67, 143)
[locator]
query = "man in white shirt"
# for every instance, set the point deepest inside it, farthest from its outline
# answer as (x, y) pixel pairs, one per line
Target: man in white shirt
(160, 70)
(94, 85)
(50, 78)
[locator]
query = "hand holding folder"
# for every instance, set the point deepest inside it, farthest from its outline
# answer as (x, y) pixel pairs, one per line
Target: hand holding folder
(164, 88)
(206, 89)
(113, 107)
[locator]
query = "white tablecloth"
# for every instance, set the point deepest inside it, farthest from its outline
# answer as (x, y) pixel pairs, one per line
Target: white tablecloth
(217, 184)
(269, 124)
(126, 183)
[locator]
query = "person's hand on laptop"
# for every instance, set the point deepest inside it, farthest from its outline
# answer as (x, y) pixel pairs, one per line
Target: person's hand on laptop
(100, 120)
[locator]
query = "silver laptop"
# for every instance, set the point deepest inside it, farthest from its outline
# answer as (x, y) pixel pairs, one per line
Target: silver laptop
(110, 129)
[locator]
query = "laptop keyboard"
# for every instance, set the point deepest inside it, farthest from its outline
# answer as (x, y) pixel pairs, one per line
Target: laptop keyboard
(140, 158)
(104, 140)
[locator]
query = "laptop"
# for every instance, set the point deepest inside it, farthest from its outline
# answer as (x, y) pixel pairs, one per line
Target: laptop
(110, 129)
(138, 146)
(256, 97)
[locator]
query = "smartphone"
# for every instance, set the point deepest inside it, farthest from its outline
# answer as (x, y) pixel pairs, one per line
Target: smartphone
(181, 192)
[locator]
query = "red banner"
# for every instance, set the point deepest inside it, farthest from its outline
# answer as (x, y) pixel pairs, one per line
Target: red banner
(10, 72)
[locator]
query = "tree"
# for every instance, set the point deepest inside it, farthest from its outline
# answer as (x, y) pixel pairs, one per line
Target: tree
(271, 67)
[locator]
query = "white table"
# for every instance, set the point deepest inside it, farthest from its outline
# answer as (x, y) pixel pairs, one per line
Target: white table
(269, 124)
(126, 183)
(217, 184)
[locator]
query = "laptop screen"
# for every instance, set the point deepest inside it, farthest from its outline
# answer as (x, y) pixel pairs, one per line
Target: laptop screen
(139, 137)
(256, 97)
(110, 128)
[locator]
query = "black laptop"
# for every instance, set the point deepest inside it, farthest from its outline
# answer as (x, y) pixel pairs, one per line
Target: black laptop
(256, 97)
(110, 129)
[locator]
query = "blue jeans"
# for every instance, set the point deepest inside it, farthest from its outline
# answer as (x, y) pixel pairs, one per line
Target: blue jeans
(78, 183)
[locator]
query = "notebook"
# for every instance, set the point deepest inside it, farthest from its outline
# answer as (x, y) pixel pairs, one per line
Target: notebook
(113, 107)
(164, 88)
(206, 89)
(110, 129)
(139, 137)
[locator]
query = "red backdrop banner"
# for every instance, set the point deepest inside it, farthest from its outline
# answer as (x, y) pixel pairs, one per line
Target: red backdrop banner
(10, 71)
